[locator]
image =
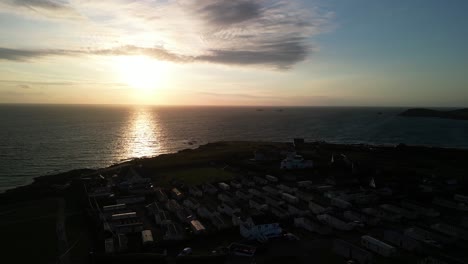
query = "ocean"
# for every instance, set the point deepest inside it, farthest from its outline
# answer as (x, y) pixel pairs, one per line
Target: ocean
(37, 140)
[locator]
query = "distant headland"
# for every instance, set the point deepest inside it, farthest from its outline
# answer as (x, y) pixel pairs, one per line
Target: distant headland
(460, 114)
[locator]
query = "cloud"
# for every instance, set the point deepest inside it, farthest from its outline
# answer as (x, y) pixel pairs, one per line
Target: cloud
(227, 12)
(24, 55)
(260, 33)
(47, 8)
(24, 86)
(280, 54)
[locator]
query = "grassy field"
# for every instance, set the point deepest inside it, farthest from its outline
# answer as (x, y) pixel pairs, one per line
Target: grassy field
(28, 232)
(192, 176)
(213, 152)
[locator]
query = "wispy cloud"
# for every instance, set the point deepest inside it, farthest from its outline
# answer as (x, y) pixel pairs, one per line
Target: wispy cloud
(262, 33)
(47, 8)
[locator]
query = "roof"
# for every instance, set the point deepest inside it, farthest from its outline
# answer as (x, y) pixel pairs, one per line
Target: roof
(197, 225)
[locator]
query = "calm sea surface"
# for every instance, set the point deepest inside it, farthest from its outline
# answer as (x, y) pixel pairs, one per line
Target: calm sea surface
(41, 139)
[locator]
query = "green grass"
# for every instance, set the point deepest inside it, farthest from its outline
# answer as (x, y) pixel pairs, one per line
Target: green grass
(28, 232)
(193, 176)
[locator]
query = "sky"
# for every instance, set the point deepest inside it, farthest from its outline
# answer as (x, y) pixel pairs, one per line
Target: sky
(235, 52)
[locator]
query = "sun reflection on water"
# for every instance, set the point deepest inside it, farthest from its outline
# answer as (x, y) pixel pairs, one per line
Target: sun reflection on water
(143, 131)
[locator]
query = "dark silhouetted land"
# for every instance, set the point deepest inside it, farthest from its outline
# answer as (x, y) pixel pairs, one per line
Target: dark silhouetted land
(459, 114)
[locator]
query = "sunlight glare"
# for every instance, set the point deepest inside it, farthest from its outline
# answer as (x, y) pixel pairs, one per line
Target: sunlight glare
(141, 72)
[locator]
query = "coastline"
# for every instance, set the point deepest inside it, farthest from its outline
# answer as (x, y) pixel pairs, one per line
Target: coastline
(57, 181)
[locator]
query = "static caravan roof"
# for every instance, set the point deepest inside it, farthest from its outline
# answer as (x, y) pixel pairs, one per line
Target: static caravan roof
(124, 216)
(197, 226)
(147, 236)
(376, 242)
(113, 207)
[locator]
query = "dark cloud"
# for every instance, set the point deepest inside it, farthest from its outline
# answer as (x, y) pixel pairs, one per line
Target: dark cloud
(154, 52)
(47, 8)
(157, 53)
(44, 4)
(24, 55)
(24, 86)
(227, 12)
(278, 54)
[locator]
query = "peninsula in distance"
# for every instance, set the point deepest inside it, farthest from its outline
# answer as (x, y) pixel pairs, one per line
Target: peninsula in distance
(460, 114)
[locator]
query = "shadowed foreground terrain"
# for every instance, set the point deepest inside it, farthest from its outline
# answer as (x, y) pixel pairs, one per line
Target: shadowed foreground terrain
(31, 215)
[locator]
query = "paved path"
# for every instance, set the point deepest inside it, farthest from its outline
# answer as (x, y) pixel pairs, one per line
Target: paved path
(62, 240)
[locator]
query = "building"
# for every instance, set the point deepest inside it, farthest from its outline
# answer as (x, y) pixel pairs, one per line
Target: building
(209, 188)
(340, 203)
(382, 214)
(246, 182)
(235, 184)
(294, 162)
(184, 215)
(130, 200)
(114, 208)
(226, 197)
(304, 184)
(240, 219)
(421, 210)
(312, 225)
(172, 232)
(260, 180)
(427, 237)
(351, 251)
(400, 211)
(361, 217)
(126, 225)
(147, 237)
(270, 190)
(172, 205)
(195, 191)
(316, 208)
(297, 209)
(218, 222)
(289, 198)
(160, 195)
(223, 186)
(304, 196)
(402, 241)
(197, 227)
(191, 203)
(335, 222)
(451, 230)
(205, 212)
(286, 188)
(256, 192)
(228, 208)
(461, 198)
(271, 178)
(152, 208)
(109, 246)
(258, 204)
(260, 232)
(176, 194)
(450, 204)
(378, 246)
(279, 212)
(243, 195)
(122, 243)
(273, 201)
(161, 217)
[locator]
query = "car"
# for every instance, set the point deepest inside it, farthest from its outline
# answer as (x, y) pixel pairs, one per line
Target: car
(186, 251)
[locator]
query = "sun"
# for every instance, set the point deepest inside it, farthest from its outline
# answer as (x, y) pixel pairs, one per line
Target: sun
(140, 72)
